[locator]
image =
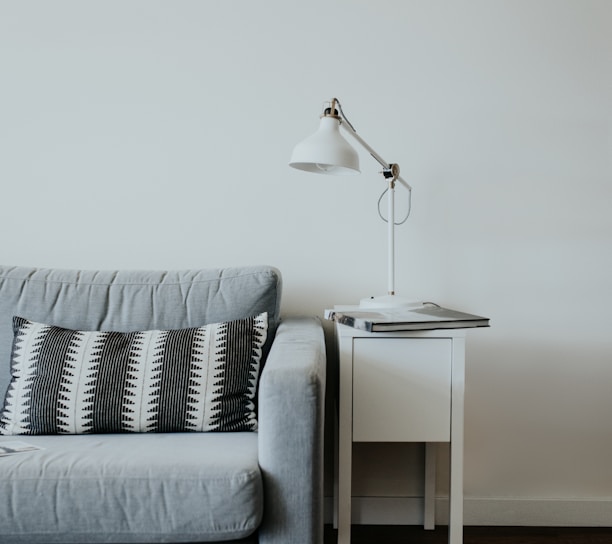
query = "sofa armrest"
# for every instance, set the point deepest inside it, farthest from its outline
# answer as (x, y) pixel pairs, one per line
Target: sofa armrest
(291, 421)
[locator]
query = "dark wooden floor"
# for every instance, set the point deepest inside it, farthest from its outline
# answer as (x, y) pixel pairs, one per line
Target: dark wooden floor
(393, 534)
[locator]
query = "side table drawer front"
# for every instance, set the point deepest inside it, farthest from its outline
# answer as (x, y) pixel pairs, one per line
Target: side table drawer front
(402, 389)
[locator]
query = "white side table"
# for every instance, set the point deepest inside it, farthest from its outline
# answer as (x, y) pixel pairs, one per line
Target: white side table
(402, 387)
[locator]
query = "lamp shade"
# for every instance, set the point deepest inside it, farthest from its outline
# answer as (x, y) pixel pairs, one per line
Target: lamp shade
(326, 151)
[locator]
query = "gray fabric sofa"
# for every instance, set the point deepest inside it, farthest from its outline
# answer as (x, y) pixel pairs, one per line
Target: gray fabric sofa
(264, 486)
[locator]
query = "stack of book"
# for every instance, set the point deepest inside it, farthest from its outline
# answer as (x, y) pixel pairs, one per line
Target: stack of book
(428, 317)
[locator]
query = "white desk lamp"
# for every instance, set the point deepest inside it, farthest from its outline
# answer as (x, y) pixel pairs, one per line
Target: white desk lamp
(327, 152)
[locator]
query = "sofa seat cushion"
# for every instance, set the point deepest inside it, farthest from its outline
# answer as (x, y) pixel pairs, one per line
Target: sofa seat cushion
(166, 487)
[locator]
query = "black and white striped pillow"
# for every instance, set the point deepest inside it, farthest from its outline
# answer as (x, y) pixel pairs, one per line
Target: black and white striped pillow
(73, 382)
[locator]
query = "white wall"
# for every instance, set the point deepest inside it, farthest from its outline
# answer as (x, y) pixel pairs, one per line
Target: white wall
(157, 134)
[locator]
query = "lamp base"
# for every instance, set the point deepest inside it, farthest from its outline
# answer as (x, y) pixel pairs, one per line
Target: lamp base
(390, 302)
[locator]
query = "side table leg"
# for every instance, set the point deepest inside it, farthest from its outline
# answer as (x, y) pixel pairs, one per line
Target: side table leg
(345, 438)
(455, 523)
(429, 516)
(344, 492)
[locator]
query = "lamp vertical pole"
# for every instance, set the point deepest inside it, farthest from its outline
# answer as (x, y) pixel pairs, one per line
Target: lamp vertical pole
(391, 237)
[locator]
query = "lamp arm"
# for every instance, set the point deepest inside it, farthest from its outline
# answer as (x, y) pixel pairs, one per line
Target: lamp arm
(391, 173)
(348, 127)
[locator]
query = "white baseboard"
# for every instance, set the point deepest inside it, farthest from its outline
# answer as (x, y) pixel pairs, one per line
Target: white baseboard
(482, 511)
(537, 512)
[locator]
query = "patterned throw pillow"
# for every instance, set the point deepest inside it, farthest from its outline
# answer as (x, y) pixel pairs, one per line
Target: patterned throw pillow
(74, 382)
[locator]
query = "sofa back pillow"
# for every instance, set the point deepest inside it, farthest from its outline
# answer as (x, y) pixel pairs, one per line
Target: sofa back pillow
(134, 300)
(73, 382)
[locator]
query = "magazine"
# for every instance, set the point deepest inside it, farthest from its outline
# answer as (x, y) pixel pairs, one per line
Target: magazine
(11, 447)
(430, 316)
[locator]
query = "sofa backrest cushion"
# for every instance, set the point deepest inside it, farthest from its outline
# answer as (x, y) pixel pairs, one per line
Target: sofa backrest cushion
(130, 300)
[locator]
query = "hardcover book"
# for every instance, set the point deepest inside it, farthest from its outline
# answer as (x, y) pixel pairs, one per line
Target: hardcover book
(429, 317)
